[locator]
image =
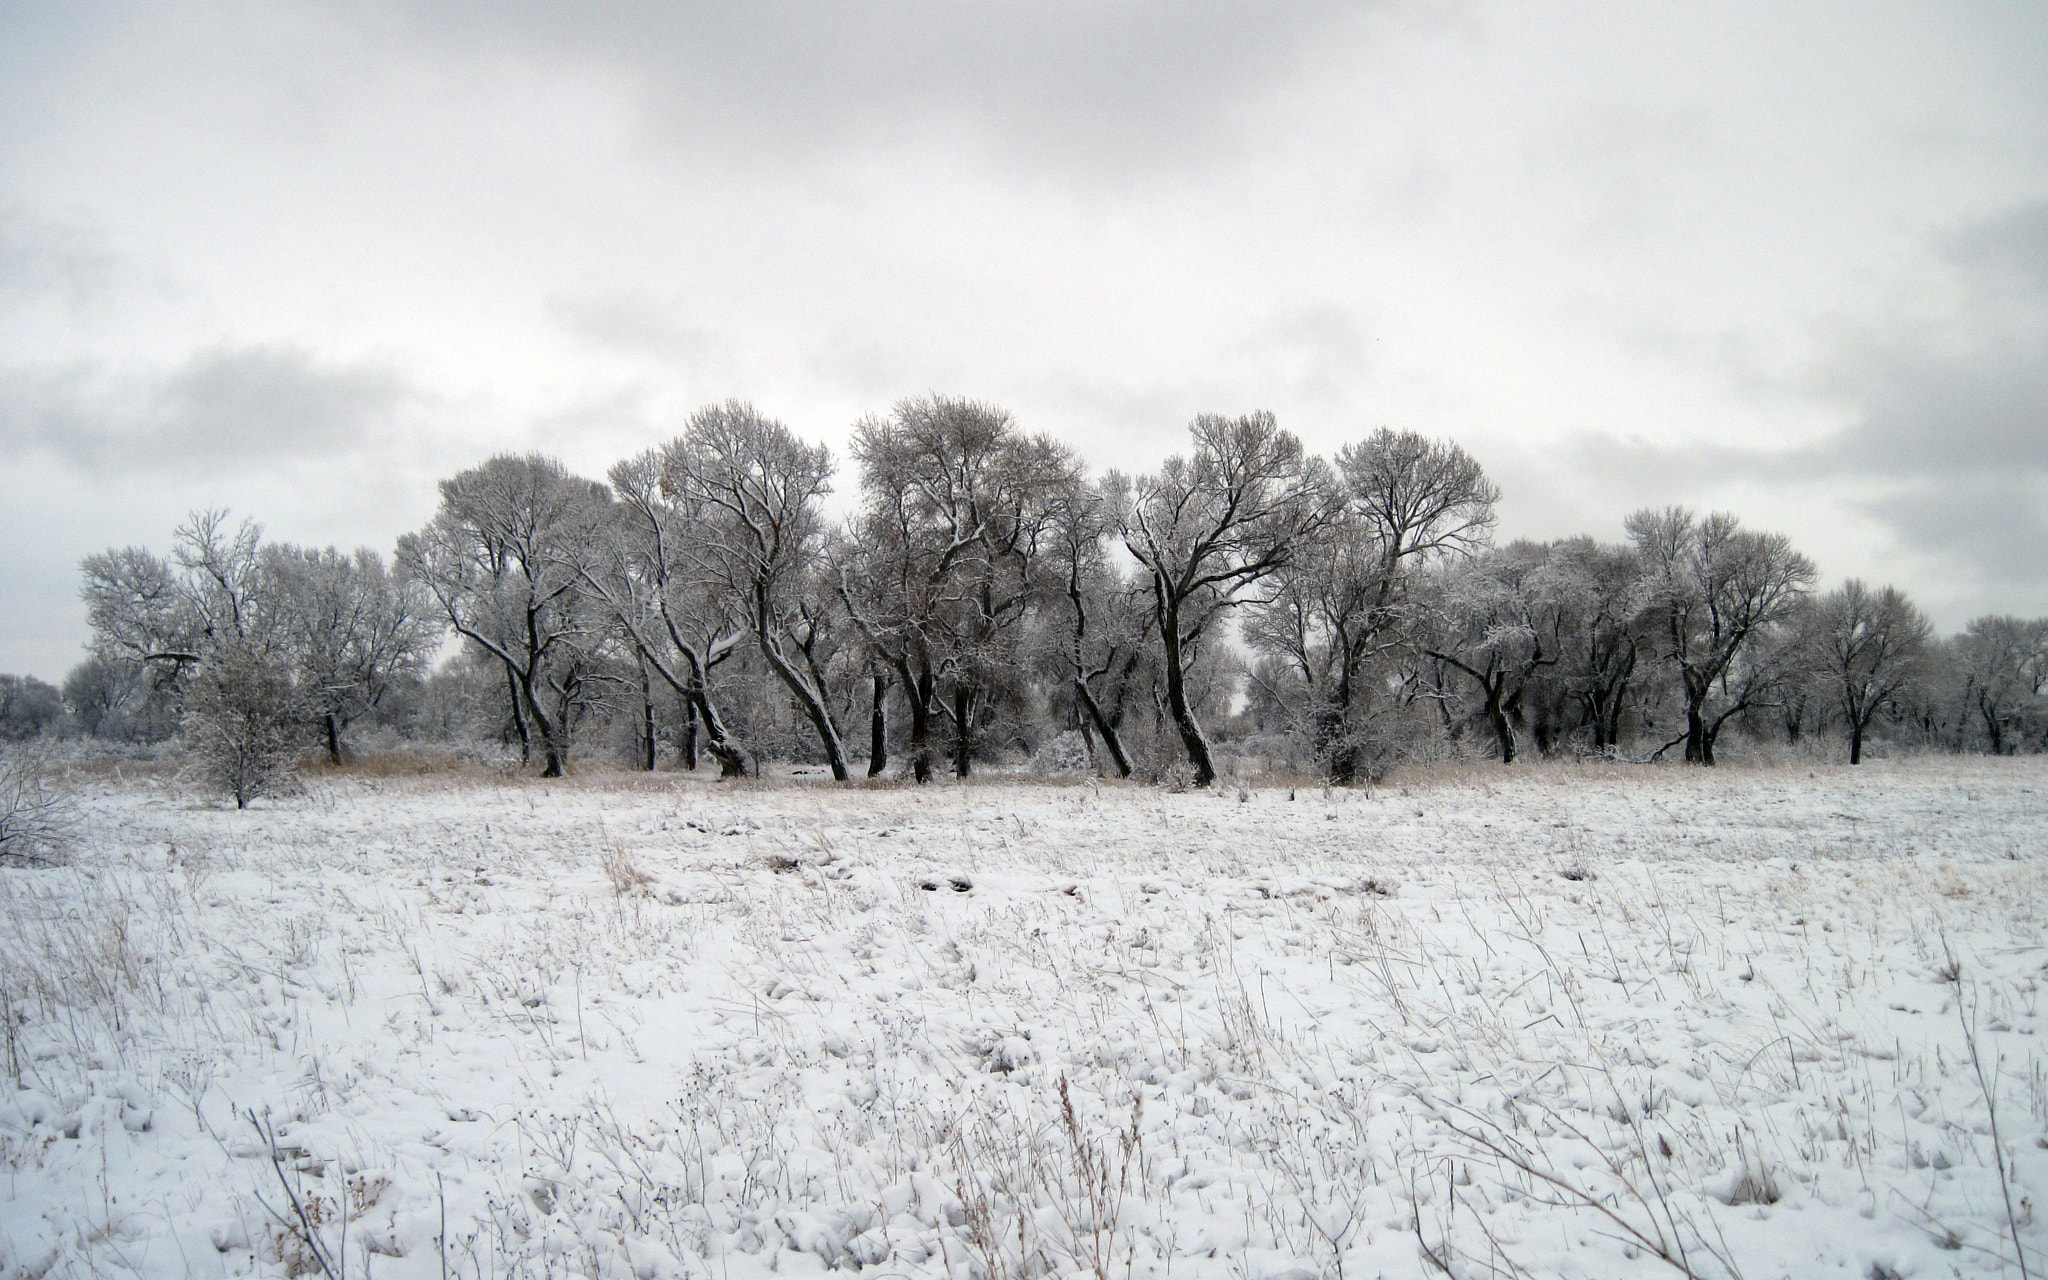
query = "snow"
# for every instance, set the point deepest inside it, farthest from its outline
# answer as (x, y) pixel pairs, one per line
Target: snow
(1536, 1021)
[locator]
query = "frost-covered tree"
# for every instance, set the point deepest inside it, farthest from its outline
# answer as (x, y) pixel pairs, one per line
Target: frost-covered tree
(501, 559)
(1596, 587)
(1495, 621)
(941, 565)
(340, 629)
(757, 490)
(1867, 647)
(38, 816)
(212, 627)
(98, 691)
(1098, 625)
(2004, 665)
(664, 593)
(171, 613)
(1714, 594)
(352, 628)
(29, 708)
(245, 723)
(1206, 527)
(1404, 501)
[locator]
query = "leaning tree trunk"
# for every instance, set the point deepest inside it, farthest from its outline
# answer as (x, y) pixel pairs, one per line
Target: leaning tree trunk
(1492, 684)
(732, 761)
(810, 700)
(512, 690)
(1110, 738)
(554, 753)
(1184, 722)
(333, 740)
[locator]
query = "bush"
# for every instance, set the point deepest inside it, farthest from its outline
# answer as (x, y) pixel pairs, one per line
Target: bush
(245, 725)
(36, 816)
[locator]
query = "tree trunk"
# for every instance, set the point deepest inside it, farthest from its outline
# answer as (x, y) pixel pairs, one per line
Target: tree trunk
(1699, 744)
(732, 761)
(810, 700)
(690, 735)
(648, 761)
(1183, 716)
(963, 730)
(1994, 726)
(1333, 743)
(878, 727)
(1496, 715)
(553, 750)
(1855, 741)
(918, 692)
(518, 715)
(1491, 685)
(333, 740)
(1110, 738)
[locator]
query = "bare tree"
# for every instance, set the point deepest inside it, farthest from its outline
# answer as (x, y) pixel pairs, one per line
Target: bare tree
(1208, 526)
(1713, 591)
(112, 697)
(500, 559)
(757, 491)
(1868, 646)
(215, 629)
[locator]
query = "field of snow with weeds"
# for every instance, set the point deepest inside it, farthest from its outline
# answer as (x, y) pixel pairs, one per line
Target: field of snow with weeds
(1551, 1021)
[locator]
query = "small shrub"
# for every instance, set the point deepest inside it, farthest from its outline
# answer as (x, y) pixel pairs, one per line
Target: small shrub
(36, 816)
(245, 726)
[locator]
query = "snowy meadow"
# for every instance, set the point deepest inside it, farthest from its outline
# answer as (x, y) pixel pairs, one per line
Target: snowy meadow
(1550, 1021)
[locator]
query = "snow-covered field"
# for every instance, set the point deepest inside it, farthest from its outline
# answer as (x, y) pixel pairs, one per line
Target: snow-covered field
(1545, 1021)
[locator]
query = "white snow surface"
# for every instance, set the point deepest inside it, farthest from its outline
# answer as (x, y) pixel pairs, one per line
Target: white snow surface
(1543, 1021)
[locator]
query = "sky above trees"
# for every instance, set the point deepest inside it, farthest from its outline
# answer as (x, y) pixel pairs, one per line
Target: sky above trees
(303, 260)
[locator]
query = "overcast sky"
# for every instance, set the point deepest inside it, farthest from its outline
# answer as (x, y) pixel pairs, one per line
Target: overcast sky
(304, 259)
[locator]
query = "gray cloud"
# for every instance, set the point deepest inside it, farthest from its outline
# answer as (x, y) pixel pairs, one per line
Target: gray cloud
(631, 324)
(1962, 394)
(1143, 83)
(225, 409)
(1997, 525)
(41, 256)
(1948, 415)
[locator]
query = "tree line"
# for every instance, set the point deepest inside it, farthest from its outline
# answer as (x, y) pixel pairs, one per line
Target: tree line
(988, 599)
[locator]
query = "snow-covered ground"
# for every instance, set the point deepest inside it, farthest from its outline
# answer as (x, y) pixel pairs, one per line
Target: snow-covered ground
(1544, 1021)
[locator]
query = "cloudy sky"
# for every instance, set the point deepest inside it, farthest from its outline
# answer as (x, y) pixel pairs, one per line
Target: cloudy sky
(303, 258)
